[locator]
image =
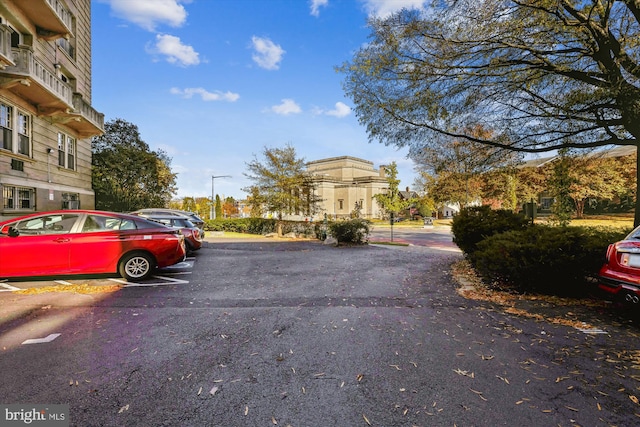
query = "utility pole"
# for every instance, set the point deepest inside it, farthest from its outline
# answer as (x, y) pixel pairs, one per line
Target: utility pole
(213, 194)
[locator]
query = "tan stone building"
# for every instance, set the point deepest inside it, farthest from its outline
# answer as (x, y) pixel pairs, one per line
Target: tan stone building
(46, 117)
(344, 183)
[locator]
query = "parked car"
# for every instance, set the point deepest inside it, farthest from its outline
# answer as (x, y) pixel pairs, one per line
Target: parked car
(620, 274)
(188, 229)
(192, 216)
(87, 242)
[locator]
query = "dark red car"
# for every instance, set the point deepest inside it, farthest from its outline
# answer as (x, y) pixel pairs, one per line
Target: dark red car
(620, 274)
(191, 233)
(86, 242)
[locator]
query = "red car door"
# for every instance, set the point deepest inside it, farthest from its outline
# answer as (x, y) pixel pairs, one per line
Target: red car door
(41, 248)
(99, 244)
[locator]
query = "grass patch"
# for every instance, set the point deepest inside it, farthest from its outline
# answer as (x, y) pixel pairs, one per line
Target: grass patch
(617, 222)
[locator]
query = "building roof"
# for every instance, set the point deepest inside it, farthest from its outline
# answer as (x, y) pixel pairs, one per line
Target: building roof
(617, 151)
(406, 195)
(333, 159)
(537, 163)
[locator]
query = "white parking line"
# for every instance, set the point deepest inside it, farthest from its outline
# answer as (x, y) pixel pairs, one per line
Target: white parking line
(592, 331)
(166, 281)
(5, 287)
(49, 338)
(8, 288)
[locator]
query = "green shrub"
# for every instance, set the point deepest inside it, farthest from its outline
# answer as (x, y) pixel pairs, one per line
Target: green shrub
(546, 259)
(300, 228)
(264, 226)
(354, 231)
(474, 224)
(243, 225)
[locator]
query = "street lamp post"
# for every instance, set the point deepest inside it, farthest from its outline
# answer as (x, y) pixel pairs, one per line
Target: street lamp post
(213, 194)
(358, 205)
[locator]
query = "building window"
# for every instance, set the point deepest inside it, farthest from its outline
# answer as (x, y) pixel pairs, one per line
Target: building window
(22, 123)
(340, 204)
(70, 201)
(68, 47)
(6, 134)
(18, 198)
(66, 151)
(17, 165)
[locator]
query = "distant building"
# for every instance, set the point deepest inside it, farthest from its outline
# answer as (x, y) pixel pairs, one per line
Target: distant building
(346, 183)
(46, 117)
(545, 199)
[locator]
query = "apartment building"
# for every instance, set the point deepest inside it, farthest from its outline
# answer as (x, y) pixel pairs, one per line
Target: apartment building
(46, 117)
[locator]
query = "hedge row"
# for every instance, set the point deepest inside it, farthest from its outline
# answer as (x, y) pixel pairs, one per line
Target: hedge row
(264, 226)
(532, 258)
(242, 225)
(350, 231)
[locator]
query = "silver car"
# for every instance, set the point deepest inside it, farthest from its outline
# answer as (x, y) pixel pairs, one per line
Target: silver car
(164, 212)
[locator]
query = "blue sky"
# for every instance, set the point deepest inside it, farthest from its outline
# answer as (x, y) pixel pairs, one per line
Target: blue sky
(213, 82)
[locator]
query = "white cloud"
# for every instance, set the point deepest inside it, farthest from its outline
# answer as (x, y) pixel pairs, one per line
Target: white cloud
(205, 95)
(383, 8)
(267, 54)
(315, 6)
(150, 13)
(341, 110)
(286, 107)
(175, 51)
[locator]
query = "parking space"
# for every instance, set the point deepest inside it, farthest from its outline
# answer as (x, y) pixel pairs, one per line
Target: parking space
(172, 275)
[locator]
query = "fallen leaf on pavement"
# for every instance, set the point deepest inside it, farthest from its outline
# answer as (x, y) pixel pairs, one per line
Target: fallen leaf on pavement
(465, 373)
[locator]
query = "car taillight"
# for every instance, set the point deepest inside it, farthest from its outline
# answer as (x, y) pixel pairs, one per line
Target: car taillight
(624, 260)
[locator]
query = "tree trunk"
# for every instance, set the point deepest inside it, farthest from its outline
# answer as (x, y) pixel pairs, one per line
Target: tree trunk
(580, 208)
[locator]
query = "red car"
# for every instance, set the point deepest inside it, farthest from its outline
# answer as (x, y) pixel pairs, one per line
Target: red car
(86, 242)
(620, 274)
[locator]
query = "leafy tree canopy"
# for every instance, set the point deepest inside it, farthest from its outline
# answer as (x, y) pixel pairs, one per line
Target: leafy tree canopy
(281, 183)
(126, 174)
(391, 201)
(540, 75)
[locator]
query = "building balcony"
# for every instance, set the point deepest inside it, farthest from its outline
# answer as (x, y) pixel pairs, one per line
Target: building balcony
(31, 80)
(5, 47)
(84, 119)
(51, 18)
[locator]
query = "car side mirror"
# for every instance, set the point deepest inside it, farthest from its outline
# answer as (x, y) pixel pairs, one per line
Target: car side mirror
(13, 232)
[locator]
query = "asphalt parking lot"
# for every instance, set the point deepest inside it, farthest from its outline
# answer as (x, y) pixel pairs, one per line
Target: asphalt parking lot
(266, 332)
